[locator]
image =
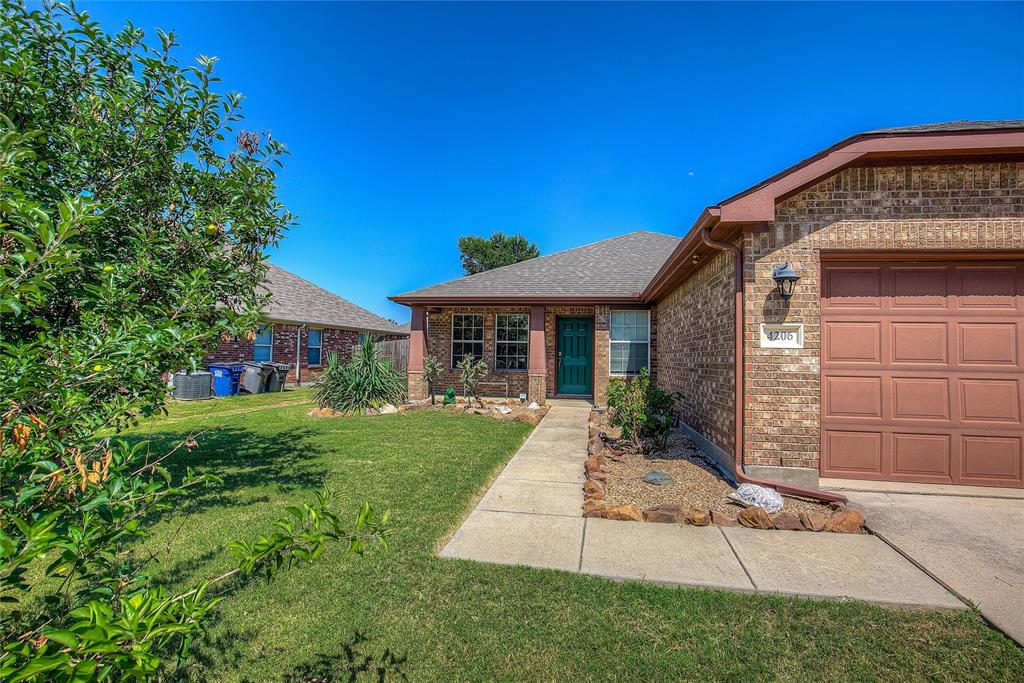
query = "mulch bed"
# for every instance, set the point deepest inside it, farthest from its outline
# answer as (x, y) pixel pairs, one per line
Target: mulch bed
(696, 484)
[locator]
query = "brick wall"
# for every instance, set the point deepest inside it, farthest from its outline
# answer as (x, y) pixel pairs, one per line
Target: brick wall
(439, 345)
(439, 331)
(696, 350)
(962, 206)
(332, 340)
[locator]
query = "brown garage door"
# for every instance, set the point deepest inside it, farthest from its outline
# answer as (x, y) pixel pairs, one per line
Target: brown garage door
(922, 371)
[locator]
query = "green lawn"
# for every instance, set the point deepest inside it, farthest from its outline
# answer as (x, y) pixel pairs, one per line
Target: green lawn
(406, 612)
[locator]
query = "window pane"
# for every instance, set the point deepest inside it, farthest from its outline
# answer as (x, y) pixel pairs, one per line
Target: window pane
(313, 356)
(314, 337)
(637, 357)
(261, 354)
(264, 335)
(643, 326)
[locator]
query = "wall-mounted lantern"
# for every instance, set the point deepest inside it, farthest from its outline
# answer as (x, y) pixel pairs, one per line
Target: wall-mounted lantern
(785, 278)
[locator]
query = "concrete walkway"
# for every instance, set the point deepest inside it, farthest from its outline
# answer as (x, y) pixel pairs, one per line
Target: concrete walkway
(971, 542)
(532, 515)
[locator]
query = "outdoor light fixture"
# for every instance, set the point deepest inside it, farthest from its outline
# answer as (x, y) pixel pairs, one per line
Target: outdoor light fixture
(785, 277)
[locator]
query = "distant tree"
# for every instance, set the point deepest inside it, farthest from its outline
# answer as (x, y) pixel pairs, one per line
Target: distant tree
(480, 254)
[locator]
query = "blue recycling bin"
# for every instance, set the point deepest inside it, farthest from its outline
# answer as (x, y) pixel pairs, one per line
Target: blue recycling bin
(226, 378)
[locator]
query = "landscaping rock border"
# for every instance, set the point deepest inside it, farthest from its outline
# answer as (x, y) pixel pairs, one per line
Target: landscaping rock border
(510, 410)
(841, 520)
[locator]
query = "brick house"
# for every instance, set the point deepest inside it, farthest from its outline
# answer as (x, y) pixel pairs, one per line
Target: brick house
(305, 323)
(558, 325)
(898, 356)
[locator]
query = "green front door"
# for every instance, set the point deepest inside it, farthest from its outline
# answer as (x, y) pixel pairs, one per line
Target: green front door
(575, 355)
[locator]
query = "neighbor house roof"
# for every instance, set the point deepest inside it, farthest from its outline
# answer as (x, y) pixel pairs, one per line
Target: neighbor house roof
(611, 270)
(752, 209)
(294, 300)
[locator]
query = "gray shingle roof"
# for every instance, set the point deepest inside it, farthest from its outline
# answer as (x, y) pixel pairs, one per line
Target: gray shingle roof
(949, 127)
(616, 267)
(300, 301)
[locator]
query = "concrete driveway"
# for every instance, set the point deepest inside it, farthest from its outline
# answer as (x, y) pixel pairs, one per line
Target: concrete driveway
(971, 541)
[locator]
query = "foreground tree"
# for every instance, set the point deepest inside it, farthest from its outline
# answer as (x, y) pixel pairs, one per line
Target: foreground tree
(480, 254)
(133, 222)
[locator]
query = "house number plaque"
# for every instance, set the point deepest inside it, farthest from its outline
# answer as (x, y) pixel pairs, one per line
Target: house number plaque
(782, 336)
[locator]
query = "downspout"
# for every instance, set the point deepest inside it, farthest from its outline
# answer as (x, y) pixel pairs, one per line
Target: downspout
(741, 476)
(298, 355)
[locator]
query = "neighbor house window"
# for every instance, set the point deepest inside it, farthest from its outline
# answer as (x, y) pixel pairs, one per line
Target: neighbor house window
(630, 341)
(261, 348)
(511, 341)
(313, 347)
(467, 337)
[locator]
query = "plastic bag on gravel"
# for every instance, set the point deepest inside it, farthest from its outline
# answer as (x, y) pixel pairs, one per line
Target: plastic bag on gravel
(752, 495)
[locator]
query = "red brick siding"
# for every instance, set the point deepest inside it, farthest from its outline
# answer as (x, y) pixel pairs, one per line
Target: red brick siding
(956, 206)
(283, 349)
(439, 345)
(696, 352)
(439, 337)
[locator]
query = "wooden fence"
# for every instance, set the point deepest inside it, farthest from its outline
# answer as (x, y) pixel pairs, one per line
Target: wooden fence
(397, 350)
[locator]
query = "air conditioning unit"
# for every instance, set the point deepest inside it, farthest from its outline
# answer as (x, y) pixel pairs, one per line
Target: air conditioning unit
(191, 386)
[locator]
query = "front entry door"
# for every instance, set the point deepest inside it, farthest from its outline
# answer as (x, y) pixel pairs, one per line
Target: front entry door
(575, 355)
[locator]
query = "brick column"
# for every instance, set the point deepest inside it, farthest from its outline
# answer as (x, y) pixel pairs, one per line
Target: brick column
(538, 357)
(602, 314)
(417, 350)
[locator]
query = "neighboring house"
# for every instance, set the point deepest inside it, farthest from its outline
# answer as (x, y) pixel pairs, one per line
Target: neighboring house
(900, 355)
(305, 322)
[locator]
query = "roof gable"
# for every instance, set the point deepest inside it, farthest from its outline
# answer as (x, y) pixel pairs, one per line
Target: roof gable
(296, 300)
(617, 269)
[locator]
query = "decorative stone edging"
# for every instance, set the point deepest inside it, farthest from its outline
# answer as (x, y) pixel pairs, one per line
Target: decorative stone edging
(841, 520)
(509, 411)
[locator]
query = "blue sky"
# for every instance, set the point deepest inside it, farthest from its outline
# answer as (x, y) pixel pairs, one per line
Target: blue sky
(413, 124)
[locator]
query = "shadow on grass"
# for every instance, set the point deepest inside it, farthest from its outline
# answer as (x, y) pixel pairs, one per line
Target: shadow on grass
(353, 661)
(288, 459)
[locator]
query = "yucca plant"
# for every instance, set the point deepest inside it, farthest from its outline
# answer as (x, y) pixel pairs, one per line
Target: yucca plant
(365, 381)
(431, 371)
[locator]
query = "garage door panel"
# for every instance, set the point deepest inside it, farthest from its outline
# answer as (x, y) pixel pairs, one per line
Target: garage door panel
(853, 342)
(921, 455)
(853, 453)
(988, 288)
(853, 397)
(984, 343)
(922, 370)
(854, 288)
(920, 288)
(921, 398)
(991, 458)
(990, 400)
(920, 342)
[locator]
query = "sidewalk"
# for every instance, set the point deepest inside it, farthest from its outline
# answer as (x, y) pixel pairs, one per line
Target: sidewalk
(532, 515)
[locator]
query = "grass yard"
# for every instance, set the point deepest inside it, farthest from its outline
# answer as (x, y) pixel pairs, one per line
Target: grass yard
(407, 613)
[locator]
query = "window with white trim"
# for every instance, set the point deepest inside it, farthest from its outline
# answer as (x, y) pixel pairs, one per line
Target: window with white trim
(630, 342)
(262, 347)
(314, 345)
(512, 341)
(467, 336)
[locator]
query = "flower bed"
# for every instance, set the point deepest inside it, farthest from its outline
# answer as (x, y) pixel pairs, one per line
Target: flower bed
(695, 494)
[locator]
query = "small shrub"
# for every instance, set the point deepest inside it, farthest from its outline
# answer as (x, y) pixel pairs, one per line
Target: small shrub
(431, 371)
(449, 397)
(472, 371)
(626, 401)
(365, 381)
(641, 409)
